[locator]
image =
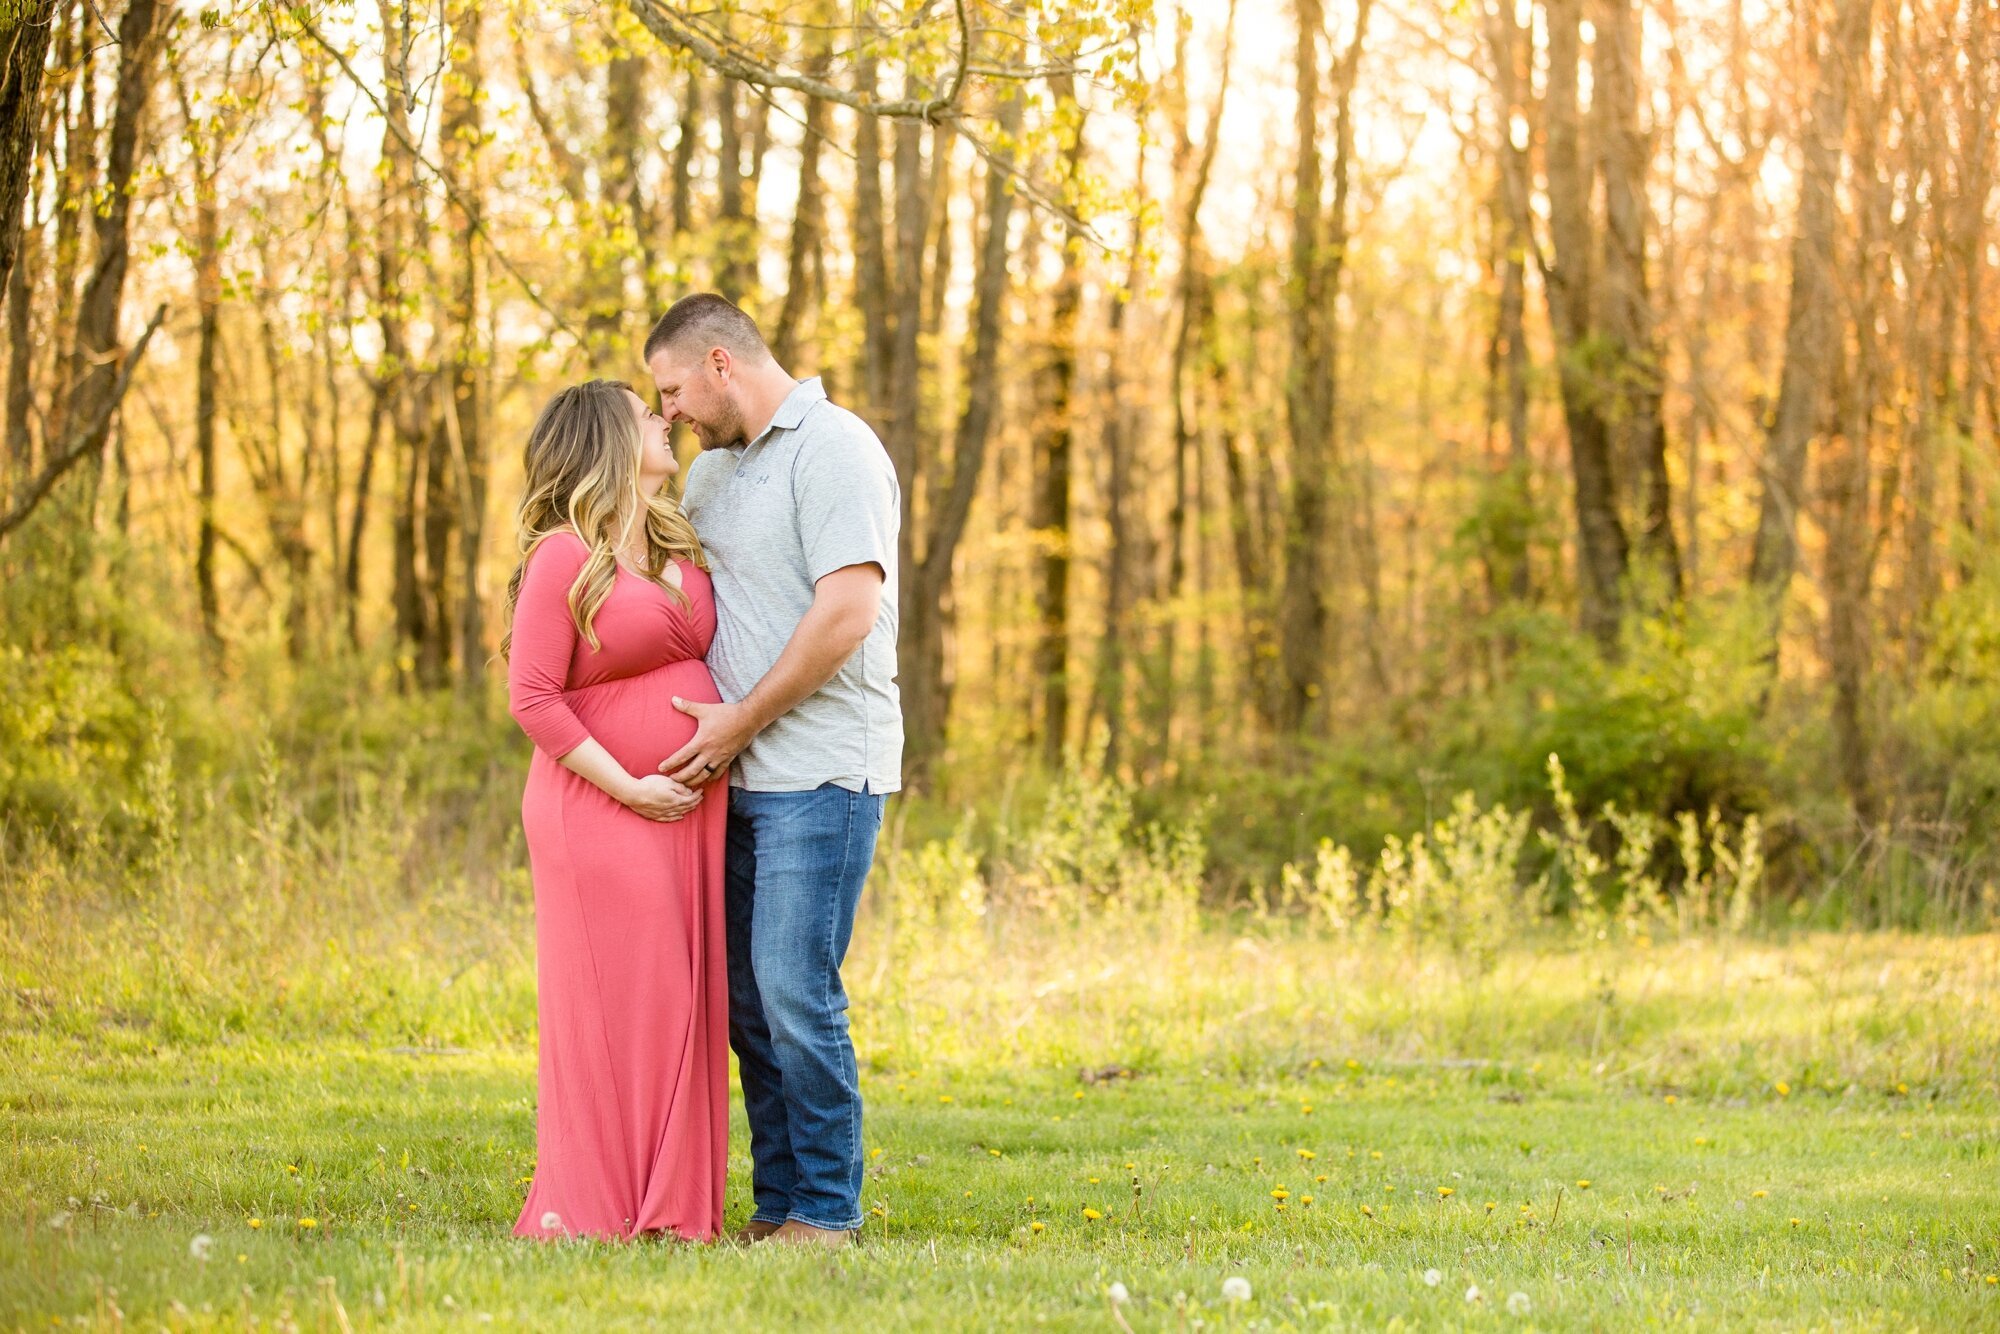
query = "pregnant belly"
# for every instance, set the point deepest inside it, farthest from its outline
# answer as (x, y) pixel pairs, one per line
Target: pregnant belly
(634, 717)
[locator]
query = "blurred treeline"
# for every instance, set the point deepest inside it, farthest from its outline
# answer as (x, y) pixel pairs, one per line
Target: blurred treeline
(1305, 412)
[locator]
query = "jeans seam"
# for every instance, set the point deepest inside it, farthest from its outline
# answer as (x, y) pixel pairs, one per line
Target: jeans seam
(846, 856)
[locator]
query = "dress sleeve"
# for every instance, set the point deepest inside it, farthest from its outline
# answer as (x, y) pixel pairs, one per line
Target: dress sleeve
(544, 641)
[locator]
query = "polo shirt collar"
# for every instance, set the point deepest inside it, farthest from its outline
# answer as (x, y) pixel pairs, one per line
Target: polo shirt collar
(797, 403)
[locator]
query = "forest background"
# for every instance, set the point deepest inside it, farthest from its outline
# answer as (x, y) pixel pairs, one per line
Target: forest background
(1304, 415)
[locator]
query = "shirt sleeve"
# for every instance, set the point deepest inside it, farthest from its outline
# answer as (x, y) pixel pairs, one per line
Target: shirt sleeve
(544, 641)
(849, 506)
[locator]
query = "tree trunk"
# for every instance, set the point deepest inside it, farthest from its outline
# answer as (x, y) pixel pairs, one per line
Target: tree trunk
(1193, 167)
(926, 681)
(400, 234)
(682, 170)
(21, 360)
(24, 50)
(1812, 327)
(208, 304)
(871, 258)
(94, 356)
(1850, 541)
(1312, 387)
(1601, 544)
(1632, 359)
(905, 365)
(461, 132)
(1302, 608)
(1055, 381)
(735, 266)
(808, 225)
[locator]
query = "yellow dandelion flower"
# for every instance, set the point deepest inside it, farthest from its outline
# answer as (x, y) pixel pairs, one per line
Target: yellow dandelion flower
(1376, 1154)
(1759, 1194)
(1306, 1108)
(1078, 1095)
(993, 1152)
(1701, 1139)
(1368, 1210)
(293, 1168)
(1305, 1199)
(1321, 1178)
(1992, 1279)
(1491, 1205)
(1906, 1134)
(1902, 1088)
(1388, 1190)
(1281, 1194)
(1037, 1225)
(1784, 1089)
(1307, 1154)
(308, 1222)
(256, 1222)
(1583, 1183)
(1130, 1166)
(1795, 1222)
(1092, 1215)
(944, 1097)
(1353, 1064)
(1093, 1181)
(968, 1195)
(1446, 1192)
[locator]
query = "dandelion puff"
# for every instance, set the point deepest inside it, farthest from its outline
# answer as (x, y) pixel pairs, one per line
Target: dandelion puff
(551, 1221)
(1432, 1278)
(1118, 1295)
(1473, 1294)
(1236, 1288)
(1517, 1303)
(199, 1245)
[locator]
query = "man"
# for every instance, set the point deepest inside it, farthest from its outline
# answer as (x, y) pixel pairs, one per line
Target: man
(797, 506)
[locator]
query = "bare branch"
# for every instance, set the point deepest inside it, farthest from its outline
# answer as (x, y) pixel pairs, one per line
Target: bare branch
(82, 437)
(677, 29)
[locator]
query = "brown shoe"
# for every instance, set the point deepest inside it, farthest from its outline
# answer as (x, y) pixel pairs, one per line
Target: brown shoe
(795, 1233)
(753, 1231)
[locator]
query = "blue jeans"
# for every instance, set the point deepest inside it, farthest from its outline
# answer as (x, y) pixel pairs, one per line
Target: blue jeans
(795, 866)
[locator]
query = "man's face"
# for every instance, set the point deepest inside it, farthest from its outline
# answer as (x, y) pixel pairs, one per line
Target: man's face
(698, 388)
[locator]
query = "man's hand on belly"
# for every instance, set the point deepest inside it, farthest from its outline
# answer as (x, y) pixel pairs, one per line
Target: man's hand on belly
(720, 735)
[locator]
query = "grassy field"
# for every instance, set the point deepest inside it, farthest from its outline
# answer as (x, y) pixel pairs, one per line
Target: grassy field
(1712, 1132)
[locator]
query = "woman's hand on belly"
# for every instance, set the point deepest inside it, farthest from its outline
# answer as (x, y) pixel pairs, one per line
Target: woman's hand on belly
(658, 797)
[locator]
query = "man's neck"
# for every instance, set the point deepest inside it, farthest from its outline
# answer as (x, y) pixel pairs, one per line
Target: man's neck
(768, 391)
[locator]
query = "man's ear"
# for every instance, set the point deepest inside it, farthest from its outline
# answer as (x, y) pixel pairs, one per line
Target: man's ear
(719, 359)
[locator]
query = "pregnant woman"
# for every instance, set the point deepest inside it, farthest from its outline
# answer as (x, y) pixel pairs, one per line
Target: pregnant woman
(611, 613)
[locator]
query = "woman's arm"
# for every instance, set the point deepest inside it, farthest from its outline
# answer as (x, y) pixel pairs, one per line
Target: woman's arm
(538, 661)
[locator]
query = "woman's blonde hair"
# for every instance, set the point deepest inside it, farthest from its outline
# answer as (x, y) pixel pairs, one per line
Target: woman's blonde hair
(582, 469)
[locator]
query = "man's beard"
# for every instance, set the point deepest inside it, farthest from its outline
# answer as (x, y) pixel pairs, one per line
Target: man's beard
(725, 432)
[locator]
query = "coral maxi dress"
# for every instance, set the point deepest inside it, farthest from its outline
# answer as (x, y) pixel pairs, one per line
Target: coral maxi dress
(632, 1123)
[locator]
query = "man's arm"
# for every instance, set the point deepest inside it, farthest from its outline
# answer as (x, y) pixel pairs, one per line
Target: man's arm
(844, 607)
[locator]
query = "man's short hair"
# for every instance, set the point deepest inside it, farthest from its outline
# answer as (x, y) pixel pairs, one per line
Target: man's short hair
(711, 321)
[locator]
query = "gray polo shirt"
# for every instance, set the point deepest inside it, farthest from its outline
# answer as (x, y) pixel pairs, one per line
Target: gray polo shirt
(814, 493)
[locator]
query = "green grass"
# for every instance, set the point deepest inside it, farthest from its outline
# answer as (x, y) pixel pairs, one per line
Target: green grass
(1877, 1209)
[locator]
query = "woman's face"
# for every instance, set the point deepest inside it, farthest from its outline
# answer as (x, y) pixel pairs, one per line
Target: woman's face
(656, 457)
